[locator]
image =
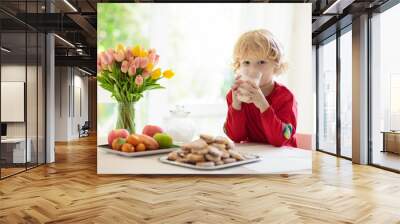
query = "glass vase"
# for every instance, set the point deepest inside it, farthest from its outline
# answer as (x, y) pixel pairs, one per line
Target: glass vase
(126, 116)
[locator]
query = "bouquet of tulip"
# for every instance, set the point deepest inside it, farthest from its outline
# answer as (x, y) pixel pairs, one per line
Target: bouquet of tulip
(126, 73)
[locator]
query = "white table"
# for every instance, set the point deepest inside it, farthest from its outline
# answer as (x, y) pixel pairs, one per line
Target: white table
(284, 160)
(18, 154)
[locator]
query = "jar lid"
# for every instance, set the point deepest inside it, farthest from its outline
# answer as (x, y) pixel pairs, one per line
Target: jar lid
(179, 111)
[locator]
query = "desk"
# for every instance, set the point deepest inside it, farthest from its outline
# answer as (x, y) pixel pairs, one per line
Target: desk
(284, 160)
(17, 150)
(391, 141)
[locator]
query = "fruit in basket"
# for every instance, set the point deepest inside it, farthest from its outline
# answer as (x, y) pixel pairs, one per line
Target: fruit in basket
(149, 142)
(117, 143)
(117, 133)
(151, 130)
(127, 147)
(140, 147)
(163, 139)
(133, 139)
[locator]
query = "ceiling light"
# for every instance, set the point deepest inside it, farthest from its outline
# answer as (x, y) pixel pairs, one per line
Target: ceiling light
(64, 40)
(84, 71)
(5, 49)
(338, 6)
(70, 5)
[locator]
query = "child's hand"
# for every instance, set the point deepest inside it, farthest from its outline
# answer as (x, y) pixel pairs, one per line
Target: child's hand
(256, 96)
(236, 103)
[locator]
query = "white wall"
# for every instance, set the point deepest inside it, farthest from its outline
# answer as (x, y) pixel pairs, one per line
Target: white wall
(69, 84)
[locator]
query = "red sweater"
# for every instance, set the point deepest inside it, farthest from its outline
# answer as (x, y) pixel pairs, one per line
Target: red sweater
(275, 126)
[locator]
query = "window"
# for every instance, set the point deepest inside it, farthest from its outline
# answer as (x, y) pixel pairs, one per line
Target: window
(385, 89)
(327, 97)
(346, 94)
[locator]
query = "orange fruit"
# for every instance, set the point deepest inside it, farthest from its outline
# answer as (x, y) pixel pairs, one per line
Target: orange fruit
(117, 143)
(133, 139)
(127, 148)
(140, 147)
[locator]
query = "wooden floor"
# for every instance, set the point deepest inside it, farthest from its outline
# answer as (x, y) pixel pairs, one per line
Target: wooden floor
(70, 191)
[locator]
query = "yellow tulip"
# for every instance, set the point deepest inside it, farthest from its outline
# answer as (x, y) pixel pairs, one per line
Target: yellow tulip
(136, 51)
(143, 53)
(156, 73)
(149, 67)
(168, 74)
(120, 48)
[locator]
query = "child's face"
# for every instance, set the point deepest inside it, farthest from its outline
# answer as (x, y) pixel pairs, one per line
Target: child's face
(264, 66)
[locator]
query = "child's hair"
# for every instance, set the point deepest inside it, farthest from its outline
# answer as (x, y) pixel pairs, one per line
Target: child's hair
(262, 44)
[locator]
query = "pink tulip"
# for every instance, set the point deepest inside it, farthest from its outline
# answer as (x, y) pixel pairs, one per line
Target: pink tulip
(110, 50)
(103, 58)
(128, 54)
(137, 62)
(109, 58)
(132, 70)
(152, 51)
(139, 80)
(143, 62)
(124, 66)
(145, 74)
(98, 63)
(119, 56)
(156, 59)
(152, 58)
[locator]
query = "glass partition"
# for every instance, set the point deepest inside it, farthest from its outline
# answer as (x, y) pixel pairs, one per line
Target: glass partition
(22, 77)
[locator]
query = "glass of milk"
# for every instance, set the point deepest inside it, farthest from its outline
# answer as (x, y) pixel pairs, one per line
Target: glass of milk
(247, 75)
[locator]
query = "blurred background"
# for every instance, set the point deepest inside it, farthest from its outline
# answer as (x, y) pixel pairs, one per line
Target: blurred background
(196, 41)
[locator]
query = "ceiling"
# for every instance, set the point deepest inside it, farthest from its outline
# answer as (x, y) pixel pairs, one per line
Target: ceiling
(75, 22)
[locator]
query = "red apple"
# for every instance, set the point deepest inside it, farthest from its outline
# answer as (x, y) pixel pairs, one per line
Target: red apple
(151, 130)
(118, 133)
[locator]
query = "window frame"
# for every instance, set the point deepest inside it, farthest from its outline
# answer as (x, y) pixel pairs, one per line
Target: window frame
(334, 37)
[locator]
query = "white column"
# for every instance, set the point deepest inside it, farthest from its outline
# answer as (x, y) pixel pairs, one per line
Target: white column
(360, 90)
(50, 93)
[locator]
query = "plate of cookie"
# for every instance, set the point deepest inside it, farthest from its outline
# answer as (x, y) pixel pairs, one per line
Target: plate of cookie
(208, 153)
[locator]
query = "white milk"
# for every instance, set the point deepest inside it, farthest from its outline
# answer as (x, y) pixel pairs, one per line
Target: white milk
(253, 77)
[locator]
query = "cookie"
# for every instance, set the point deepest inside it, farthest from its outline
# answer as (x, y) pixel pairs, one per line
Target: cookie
(209, 157)
(214, 151)
(194, 158)
(173, 156)
(236, 155)
(182, 153)
(205, 164)
(200, 151)
(218, 163)
(230, 145)
(221, 140)
(229, 160)
(186, 147)
(219, 146)
(208, 138)
(182, 160)
(225, 154)
(197, 144)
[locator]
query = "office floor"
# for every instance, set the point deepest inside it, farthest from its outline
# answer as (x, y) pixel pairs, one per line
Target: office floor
(70, 191)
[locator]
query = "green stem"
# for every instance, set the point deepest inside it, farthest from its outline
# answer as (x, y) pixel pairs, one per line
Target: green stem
(126, 116)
